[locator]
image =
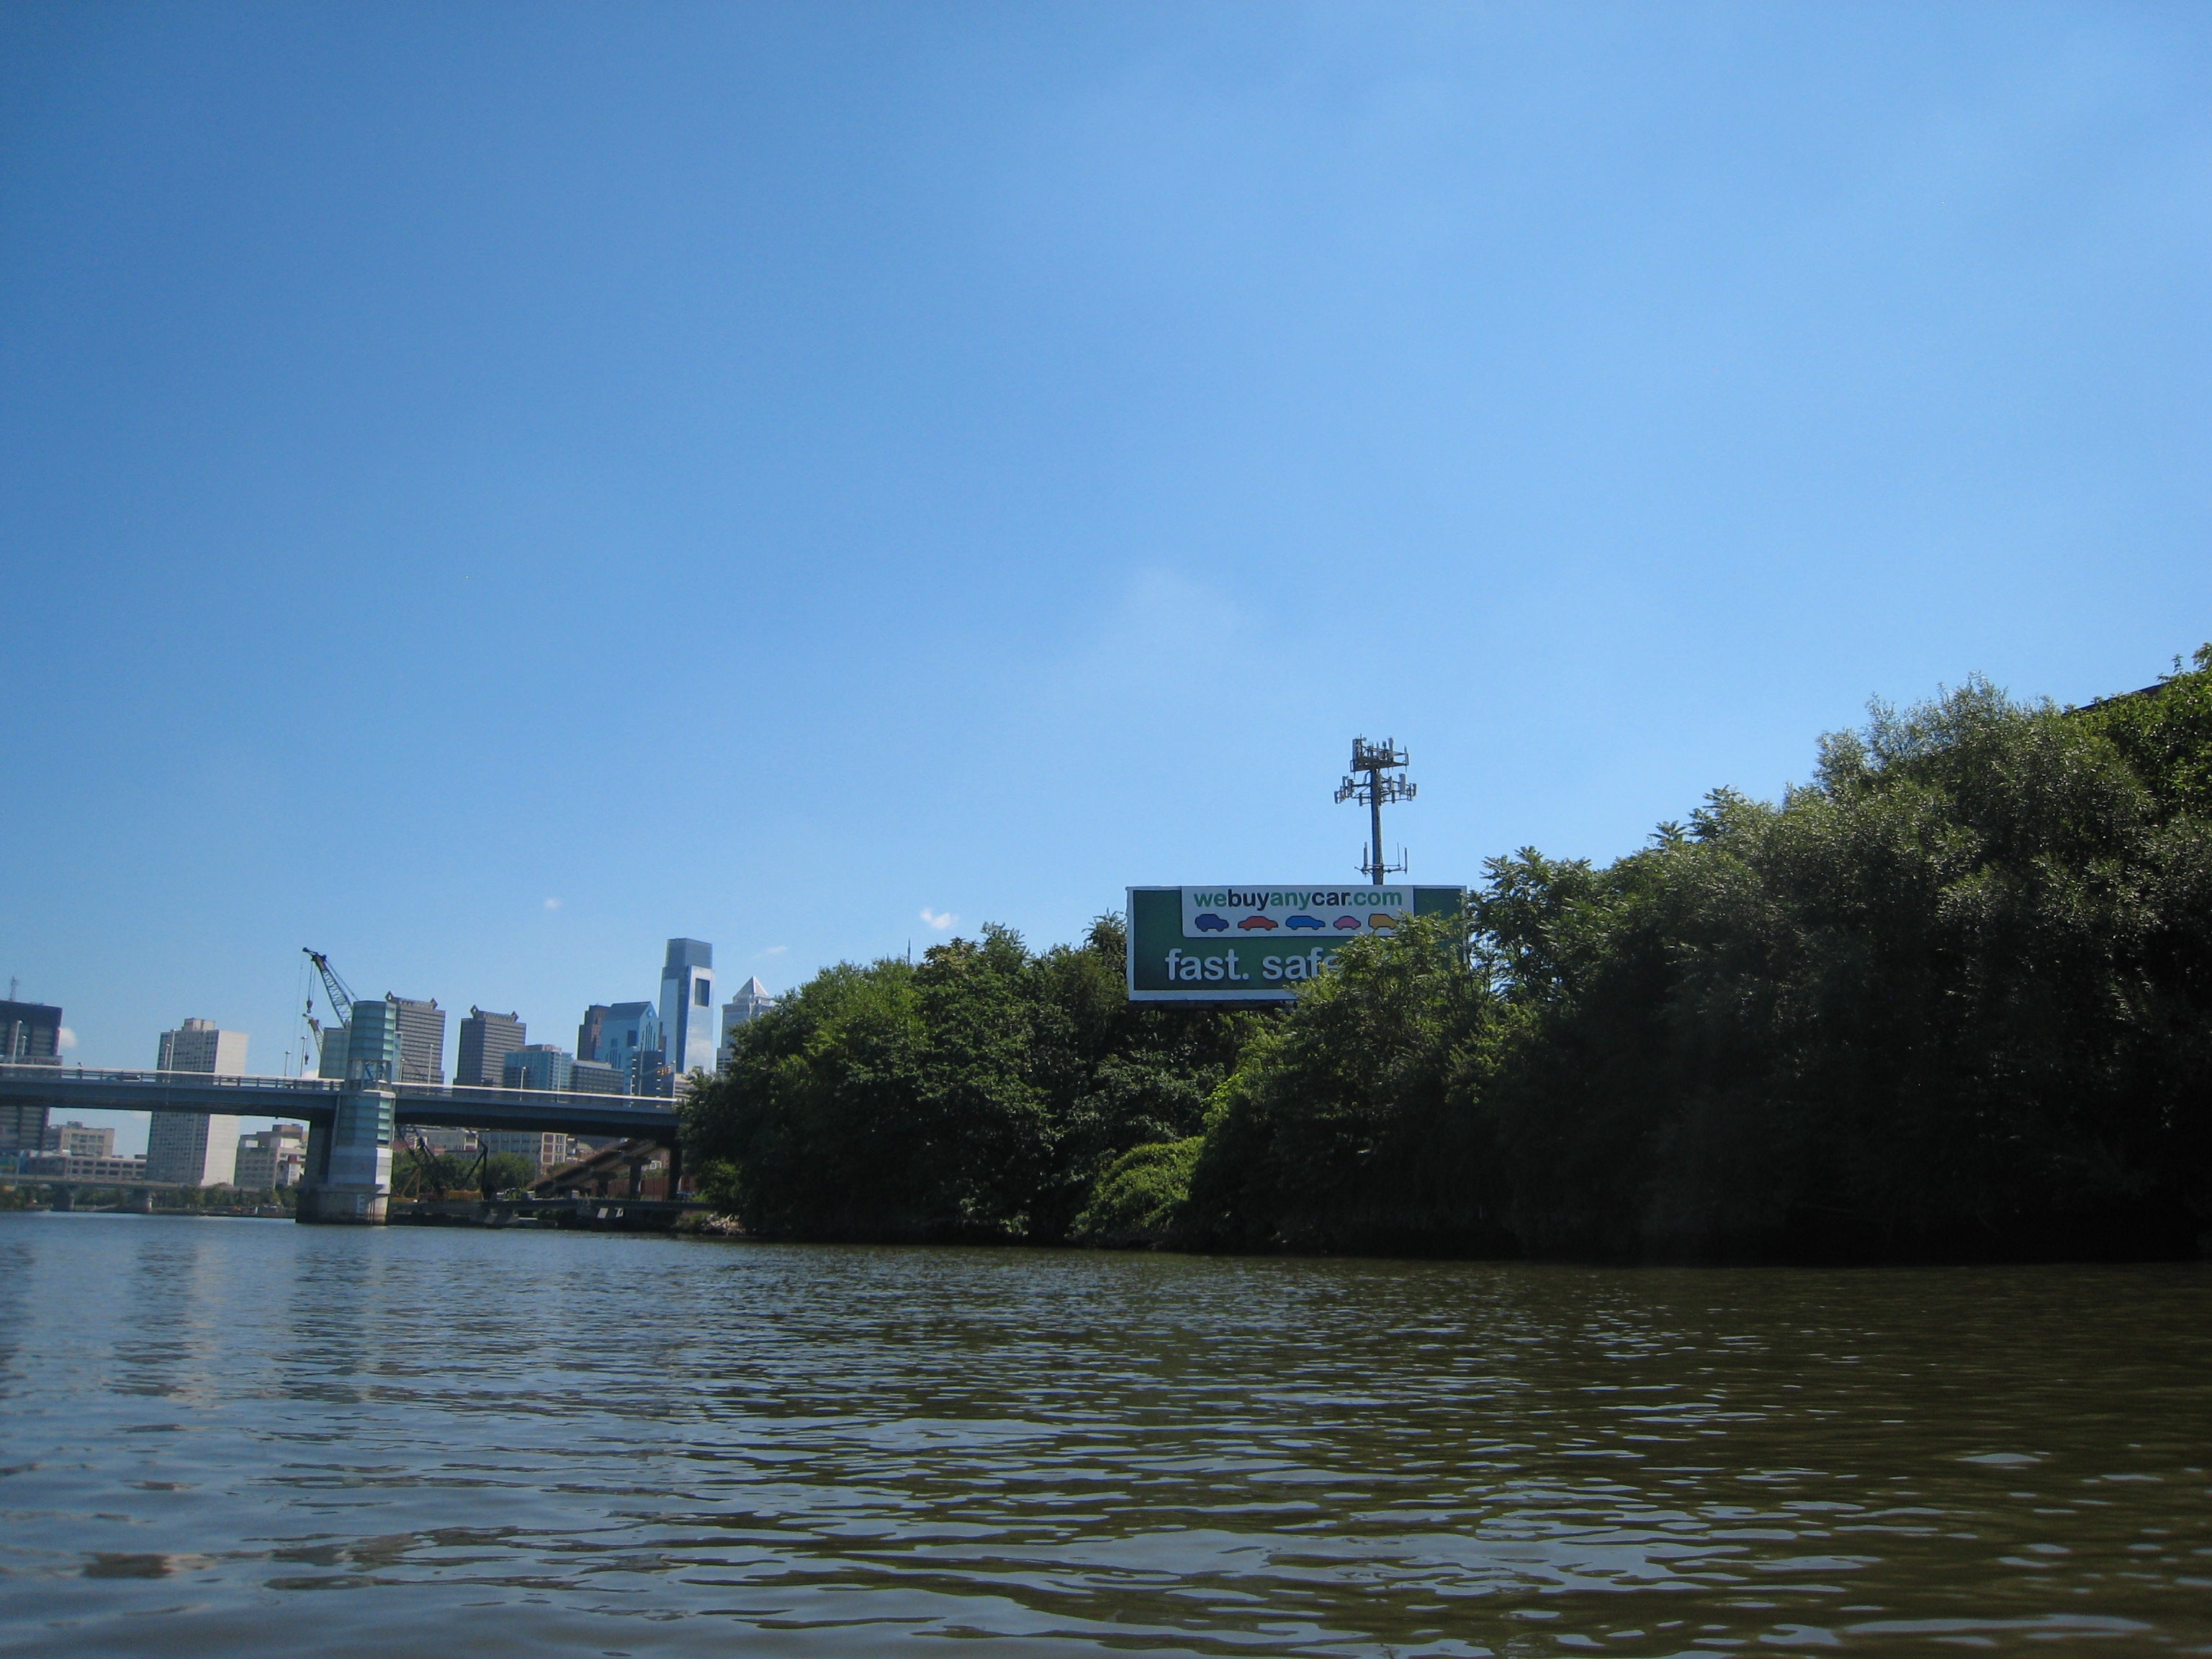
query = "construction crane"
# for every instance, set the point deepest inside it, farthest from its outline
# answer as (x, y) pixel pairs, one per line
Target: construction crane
(339, 992)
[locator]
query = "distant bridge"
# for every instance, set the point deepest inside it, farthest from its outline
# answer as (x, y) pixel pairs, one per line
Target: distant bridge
(349, 1124)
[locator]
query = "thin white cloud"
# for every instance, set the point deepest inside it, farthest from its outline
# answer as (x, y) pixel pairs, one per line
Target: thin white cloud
(68, 1038)
(941, 919)
(552, 904)
(773, 950)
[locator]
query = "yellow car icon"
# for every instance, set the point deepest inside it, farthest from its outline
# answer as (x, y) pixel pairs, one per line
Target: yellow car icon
(1382, 919)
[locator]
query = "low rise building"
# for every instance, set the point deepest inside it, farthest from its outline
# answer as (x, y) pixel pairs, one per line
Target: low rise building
(547, 1150)
(64, 1166)
(79, 1139)
(271, 1157)
(593, 1077)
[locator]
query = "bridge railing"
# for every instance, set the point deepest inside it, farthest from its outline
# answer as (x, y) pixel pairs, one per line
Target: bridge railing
(482, 1094)
(152, 1079)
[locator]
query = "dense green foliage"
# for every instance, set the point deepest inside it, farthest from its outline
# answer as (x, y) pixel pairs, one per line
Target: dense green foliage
(978, 1094)
(420, 1173)
(1952, 998)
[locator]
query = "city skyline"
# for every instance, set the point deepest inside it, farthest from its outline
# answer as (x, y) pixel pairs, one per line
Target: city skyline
(216, 1048)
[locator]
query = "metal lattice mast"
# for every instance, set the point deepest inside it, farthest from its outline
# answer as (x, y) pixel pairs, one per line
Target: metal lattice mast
(1376, 761)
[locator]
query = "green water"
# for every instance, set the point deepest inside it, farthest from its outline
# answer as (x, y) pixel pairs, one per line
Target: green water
(247, 1437)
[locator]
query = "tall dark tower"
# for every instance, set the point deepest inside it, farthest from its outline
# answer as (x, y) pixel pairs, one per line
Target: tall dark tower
(1376, 761)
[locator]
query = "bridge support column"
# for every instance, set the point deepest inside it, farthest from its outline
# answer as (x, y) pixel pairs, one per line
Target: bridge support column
(350, 1181)
(64, 1198)
(140, 1200)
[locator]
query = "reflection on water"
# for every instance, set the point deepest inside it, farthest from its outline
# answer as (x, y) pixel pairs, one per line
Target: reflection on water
(509, 1443)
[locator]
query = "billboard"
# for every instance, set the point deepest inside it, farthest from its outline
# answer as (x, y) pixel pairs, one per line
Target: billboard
(1257, 943)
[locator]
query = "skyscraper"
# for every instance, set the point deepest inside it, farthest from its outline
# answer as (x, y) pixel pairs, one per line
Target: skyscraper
(192, 1148)
(486, 1042)
(538, 1066)
(30, 1035)
(687, 1005)
(614, 1035)
(751, 1001)
(422, 1040)
(198, 1046)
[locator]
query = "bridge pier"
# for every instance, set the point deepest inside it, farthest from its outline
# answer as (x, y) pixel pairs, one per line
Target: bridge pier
(64, 1198)
(139, 1201)
(349, 1174)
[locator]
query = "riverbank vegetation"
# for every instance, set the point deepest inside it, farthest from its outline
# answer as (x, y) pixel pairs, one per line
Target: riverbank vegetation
(1951, 999)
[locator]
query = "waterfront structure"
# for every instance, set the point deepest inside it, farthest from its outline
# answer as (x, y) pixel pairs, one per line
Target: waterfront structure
(615, 1034)
(422, 1039)
(270, 1158)
(751, 1001)
(191, 1148)
(538, 1066)
(74, 1140)
(486, 1040)
(687, 1005)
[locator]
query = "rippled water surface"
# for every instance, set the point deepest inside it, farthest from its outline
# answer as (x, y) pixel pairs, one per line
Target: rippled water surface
(246, 1437)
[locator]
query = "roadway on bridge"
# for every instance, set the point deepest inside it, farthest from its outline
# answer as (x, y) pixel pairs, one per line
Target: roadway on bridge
(315, 1100)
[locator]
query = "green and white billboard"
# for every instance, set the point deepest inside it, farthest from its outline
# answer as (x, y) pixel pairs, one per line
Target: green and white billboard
(1257, 944)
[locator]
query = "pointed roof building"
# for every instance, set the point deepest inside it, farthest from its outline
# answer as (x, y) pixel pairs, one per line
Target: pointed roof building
(751, 1001)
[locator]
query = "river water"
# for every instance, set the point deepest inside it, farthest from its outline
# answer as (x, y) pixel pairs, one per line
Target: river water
(249, 1437)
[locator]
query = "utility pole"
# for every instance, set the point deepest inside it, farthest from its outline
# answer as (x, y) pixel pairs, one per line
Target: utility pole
(1378, 761)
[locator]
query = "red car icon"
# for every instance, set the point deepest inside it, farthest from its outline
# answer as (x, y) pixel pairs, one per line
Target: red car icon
(1350, 923)
(1251, 922)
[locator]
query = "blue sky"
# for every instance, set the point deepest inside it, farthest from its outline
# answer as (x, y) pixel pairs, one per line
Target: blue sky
(487, 489)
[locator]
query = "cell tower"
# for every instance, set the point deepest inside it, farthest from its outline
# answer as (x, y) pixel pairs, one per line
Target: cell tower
(1376, 761)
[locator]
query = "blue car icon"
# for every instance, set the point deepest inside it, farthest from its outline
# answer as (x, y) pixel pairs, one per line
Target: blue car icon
(1208, 922)
(1304, 921)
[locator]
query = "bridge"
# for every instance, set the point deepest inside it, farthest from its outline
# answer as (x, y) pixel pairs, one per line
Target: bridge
(351, 1124)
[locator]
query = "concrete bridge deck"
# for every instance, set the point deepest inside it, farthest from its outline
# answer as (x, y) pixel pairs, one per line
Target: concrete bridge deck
(316, 1100)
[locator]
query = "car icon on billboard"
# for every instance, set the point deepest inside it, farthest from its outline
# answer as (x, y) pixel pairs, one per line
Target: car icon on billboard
(1350, 923)
(1207, 922)
(1251, 922)
(1303, 921)
(1382, 919)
